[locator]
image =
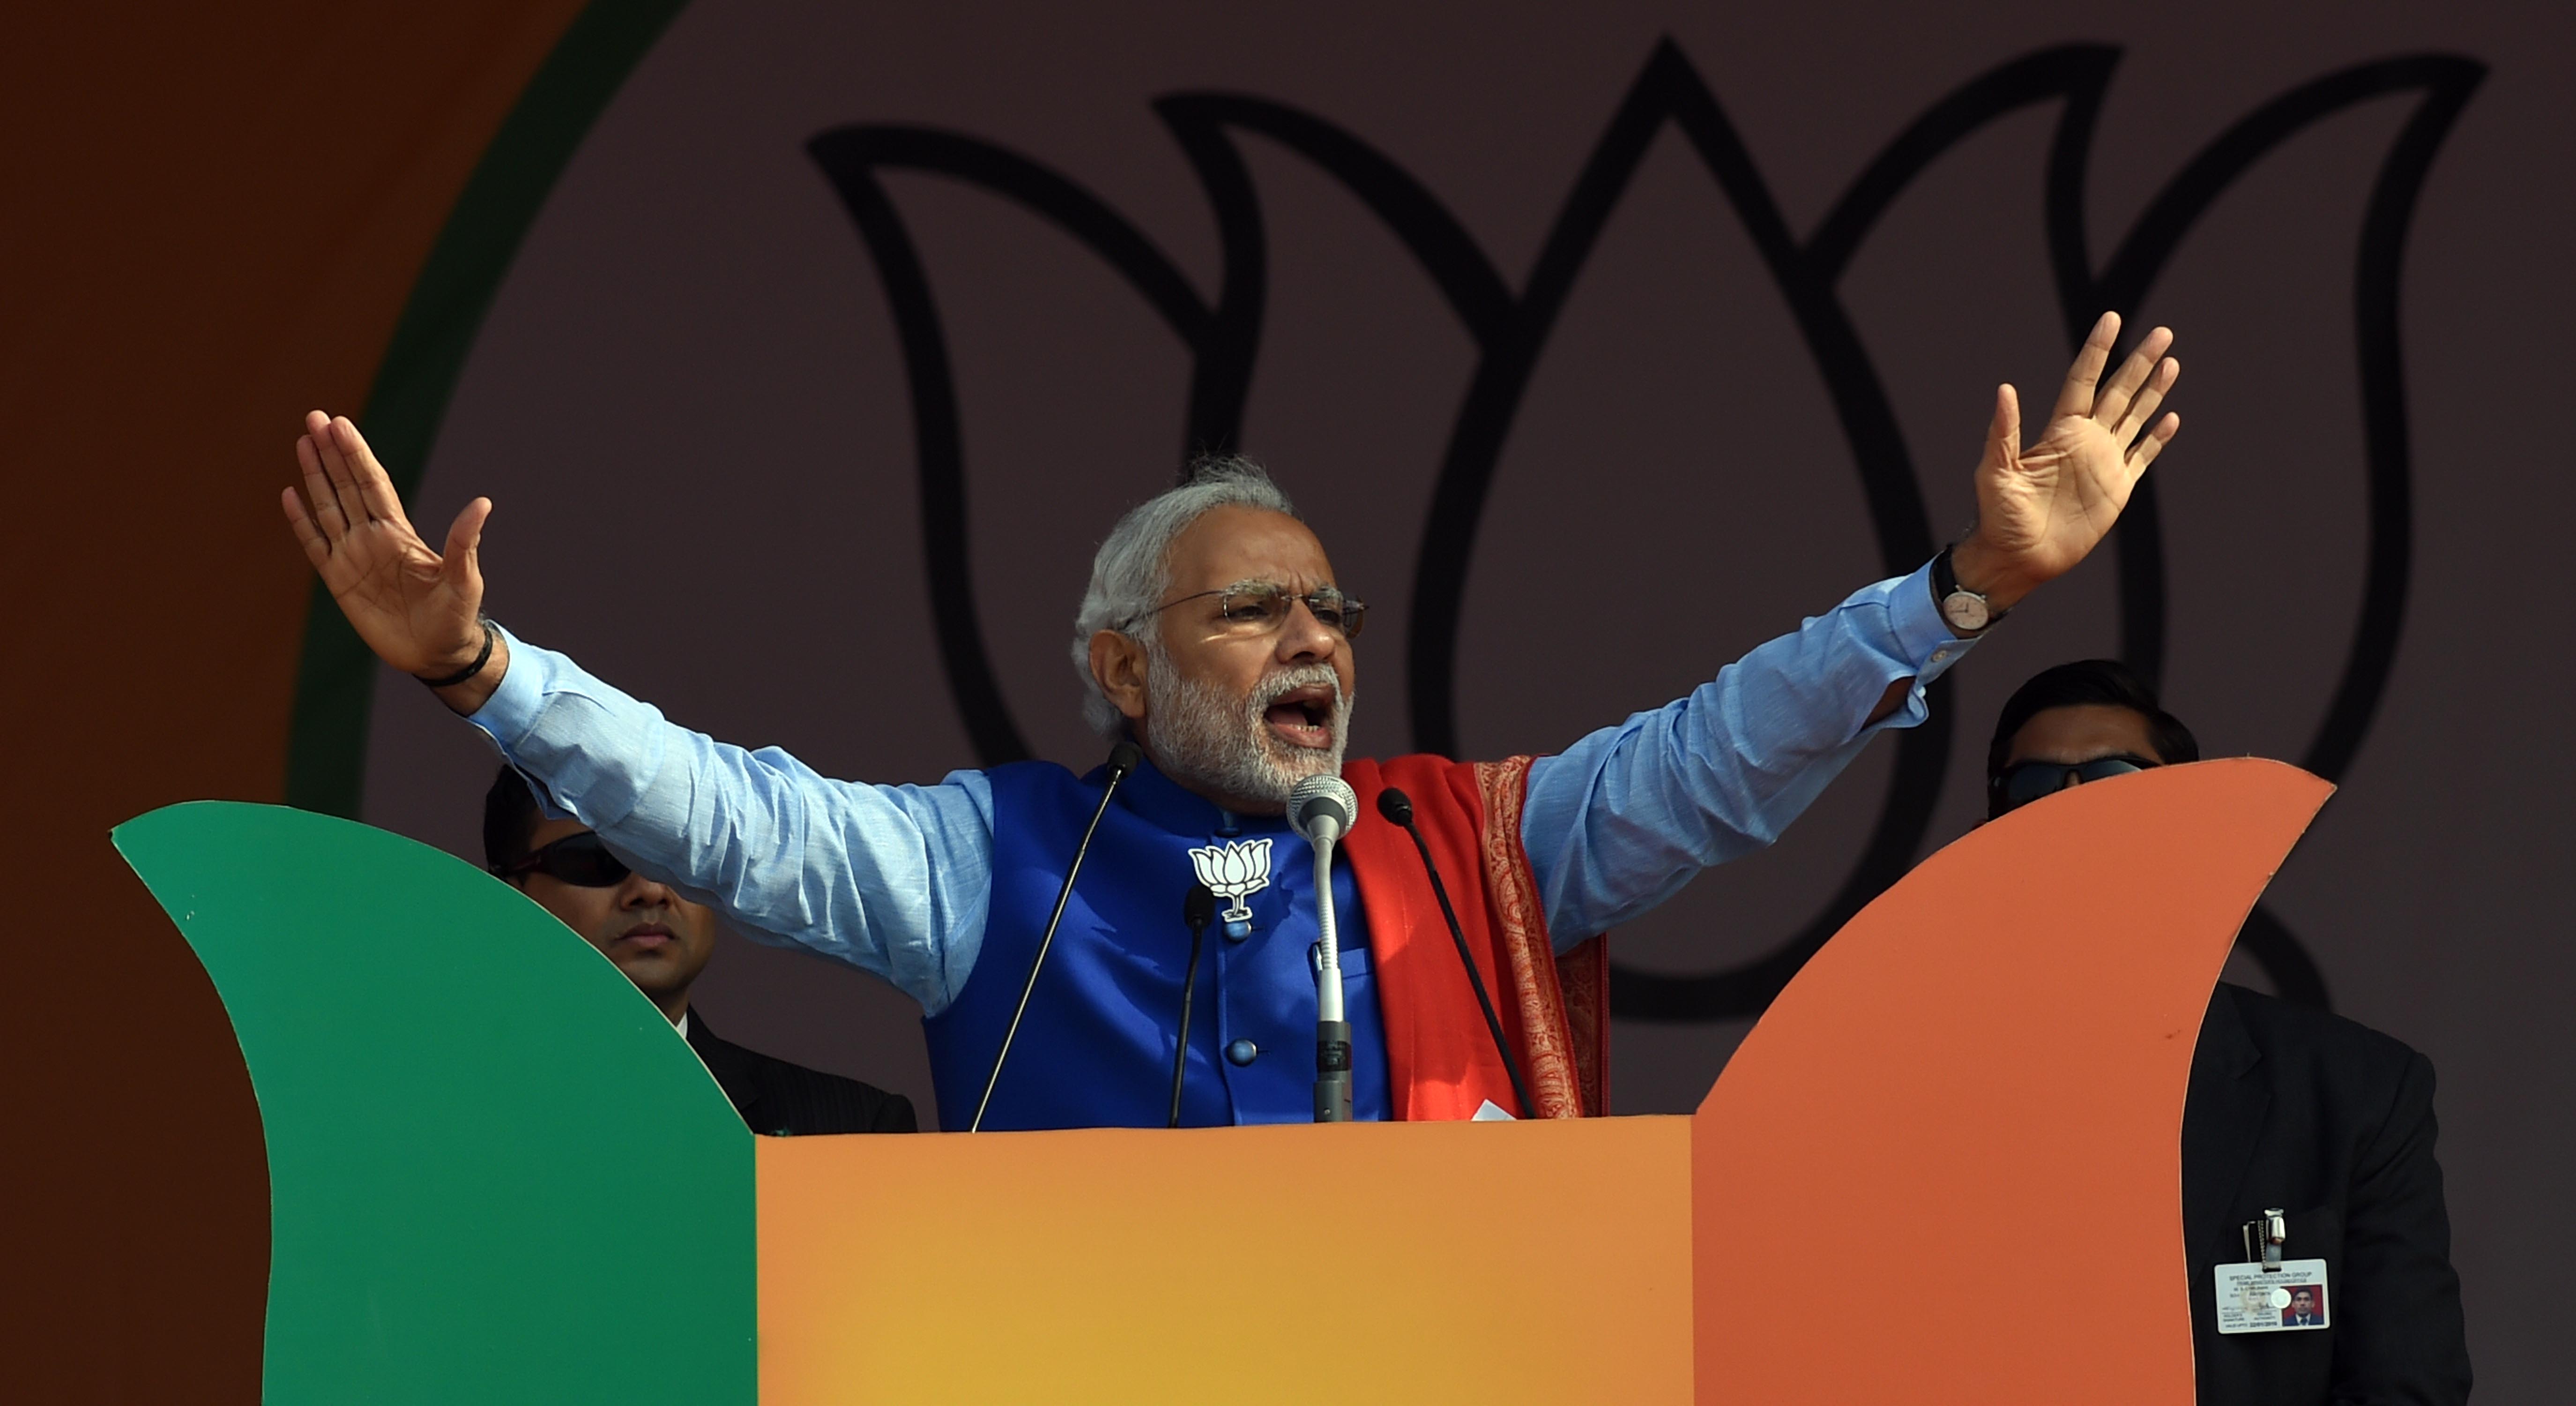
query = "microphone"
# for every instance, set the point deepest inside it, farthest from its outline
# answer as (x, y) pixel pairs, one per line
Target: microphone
(1322, 809)
(1122, 760)
(1198, 909)
(1397, 807)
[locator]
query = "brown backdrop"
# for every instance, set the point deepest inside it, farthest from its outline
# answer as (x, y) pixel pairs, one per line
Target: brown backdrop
(214, 217)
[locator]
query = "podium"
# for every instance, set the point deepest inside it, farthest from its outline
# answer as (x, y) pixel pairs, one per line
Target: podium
(1944, 1167)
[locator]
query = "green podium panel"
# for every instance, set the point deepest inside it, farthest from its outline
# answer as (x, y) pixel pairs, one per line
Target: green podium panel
(496, 1174)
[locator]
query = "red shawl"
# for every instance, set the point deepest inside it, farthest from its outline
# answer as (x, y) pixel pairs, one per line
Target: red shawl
(1554, 1010)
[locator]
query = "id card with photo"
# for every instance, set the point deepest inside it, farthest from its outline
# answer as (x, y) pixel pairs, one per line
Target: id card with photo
(2289, 1300)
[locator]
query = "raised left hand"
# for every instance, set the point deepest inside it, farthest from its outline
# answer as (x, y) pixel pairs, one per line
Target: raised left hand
(2040, 510)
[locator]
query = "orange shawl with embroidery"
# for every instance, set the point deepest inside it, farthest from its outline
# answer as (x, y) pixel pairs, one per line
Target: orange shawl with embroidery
(1555, 1010)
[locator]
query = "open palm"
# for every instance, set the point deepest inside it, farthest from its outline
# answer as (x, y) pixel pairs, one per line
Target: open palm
(2041, 509)
(419, 610)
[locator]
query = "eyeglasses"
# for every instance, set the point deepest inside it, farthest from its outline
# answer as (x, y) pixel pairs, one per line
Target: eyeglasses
(2020, 785)
(1261, 607)
(580, 860)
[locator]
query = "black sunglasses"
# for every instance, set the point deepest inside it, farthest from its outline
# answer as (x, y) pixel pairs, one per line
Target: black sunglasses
(580, 860)
(2020, 785)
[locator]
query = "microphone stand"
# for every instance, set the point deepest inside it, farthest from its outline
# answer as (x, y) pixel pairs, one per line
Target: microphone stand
(1198, 909)
(1397, 807)
(1122, 760)
(1323, 809)
(1332, 1032)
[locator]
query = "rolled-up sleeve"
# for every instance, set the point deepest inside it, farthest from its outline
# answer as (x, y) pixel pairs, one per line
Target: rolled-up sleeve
(891, 879)
(1619, 821)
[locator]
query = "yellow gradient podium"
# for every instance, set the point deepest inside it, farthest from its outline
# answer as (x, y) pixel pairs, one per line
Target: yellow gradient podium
(1996, 1046)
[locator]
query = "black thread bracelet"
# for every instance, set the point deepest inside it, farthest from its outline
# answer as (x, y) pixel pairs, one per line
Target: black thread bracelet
(469, 670)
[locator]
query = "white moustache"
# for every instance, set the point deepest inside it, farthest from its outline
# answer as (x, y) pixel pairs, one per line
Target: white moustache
(1287, 681)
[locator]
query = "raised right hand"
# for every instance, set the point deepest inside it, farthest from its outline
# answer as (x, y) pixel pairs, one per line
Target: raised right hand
(419, 610)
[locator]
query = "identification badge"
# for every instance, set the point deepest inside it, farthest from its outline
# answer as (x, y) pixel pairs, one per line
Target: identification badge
(2290, 1299)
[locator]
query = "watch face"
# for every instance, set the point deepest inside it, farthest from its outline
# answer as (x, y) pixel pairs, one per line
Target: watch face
(1966, 610)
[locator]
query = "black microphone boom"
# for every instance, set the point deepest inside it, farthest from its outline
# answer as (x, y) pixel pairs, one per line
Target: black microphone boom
(1122, 760)
(1397, 807)
(1198, 909)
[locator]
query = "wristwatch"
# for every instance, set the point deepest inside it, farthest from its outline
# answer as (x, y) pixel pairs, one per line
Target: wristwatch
(1968, 612)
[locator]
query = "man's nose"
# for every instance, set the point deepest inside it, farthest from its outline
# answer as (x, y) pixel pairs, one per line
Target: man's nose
(1306, 637)
(641, 892)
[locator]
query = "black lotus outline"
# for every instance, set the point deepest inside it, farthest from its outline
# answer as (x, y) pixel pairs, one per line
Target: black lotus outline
(1510, 330)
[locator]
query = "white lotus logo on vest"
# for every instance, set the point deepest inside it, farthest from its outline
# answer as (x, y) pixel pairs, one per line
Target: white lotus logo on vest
(1234, 872)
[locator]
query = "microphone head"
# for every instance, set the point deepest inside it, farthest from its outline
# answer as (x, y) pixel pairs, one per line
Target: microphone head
(1123, 759)
(1396, 806)
(1321, 801)
(1198, 907)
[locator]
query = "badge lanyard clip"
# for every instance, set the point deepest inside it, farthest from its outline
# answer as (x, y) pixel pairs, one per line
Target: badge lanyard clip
(2264, 1239)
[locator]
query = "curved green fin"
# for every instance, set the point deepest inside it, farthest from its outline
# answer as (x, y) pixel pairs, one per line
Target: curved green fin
(496, 1173)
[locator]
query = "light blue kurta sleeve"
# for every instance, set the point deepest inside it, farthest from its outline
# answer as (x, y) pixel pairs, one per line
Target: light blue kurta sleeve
(893, 880)
(1619, 821)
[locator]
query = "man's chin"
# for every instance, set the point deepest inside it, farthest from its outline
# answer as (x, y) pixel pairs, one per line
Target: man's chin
(653, 973)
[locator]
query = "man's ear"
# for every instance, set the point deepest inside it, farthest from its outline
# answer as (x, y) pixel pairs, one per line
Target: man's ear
(1118, 666)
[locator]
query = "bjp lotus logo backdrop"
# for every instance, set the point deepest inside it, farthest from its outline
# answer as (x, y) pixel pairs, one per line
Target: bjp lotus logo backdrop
(803, 427)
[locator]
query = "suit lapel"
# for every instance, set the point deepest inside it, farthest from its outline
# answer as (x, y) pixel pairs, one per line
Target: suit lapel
(729, 1062)
(2222, 1122)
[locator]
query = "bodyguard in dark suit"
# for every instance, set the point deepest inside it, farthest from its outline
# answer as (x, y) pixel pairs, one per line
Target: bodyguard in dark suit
(661, 941)
(2321, 1117)
(779, 1098)
(2332, 1123)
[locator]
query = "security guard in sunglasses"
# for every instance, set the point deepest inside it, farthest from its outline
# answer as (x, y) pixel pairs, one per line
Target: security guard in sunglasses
(2290, 1110)
(661, 941)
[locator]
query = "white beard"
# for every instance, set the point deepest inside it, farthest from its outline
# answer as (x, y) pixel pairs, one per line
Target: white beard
(1225, 745)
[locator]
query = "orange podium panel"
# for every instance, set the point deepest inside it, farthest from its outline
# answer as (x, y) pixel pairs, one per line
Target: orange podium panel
(1436, 1261)
(1945, 1167)
(1947, 1164)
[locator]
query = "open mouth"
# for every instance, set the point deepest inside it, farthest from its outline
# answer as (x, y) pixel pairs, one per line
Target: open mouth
(1303, 717)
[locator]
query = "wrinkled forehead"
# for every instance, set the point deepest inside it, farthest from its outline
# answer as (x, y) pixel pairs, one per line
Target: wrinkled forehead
(1233, 544)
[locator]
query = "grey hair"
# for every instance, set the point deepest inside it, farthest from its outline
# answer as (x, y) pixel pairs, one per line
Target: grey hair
(1133, 568)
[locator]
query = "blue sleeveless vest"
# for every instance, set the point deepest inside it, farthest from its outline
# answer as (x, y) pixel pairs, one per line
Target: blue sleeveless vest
(1095, 1049)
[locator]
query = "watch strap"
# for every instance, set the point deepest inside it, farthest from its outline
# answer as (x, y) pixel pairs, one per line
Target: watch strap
(480, 659)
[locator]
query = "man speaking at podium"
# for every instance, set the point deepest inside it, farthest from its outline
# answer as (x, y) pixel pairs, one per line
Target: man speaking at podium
(1217, 641)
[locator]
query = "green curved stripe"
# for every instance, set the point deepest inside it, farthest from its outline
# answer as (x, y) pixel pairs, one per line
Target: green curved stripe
(335, 678)
(497, 1174)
